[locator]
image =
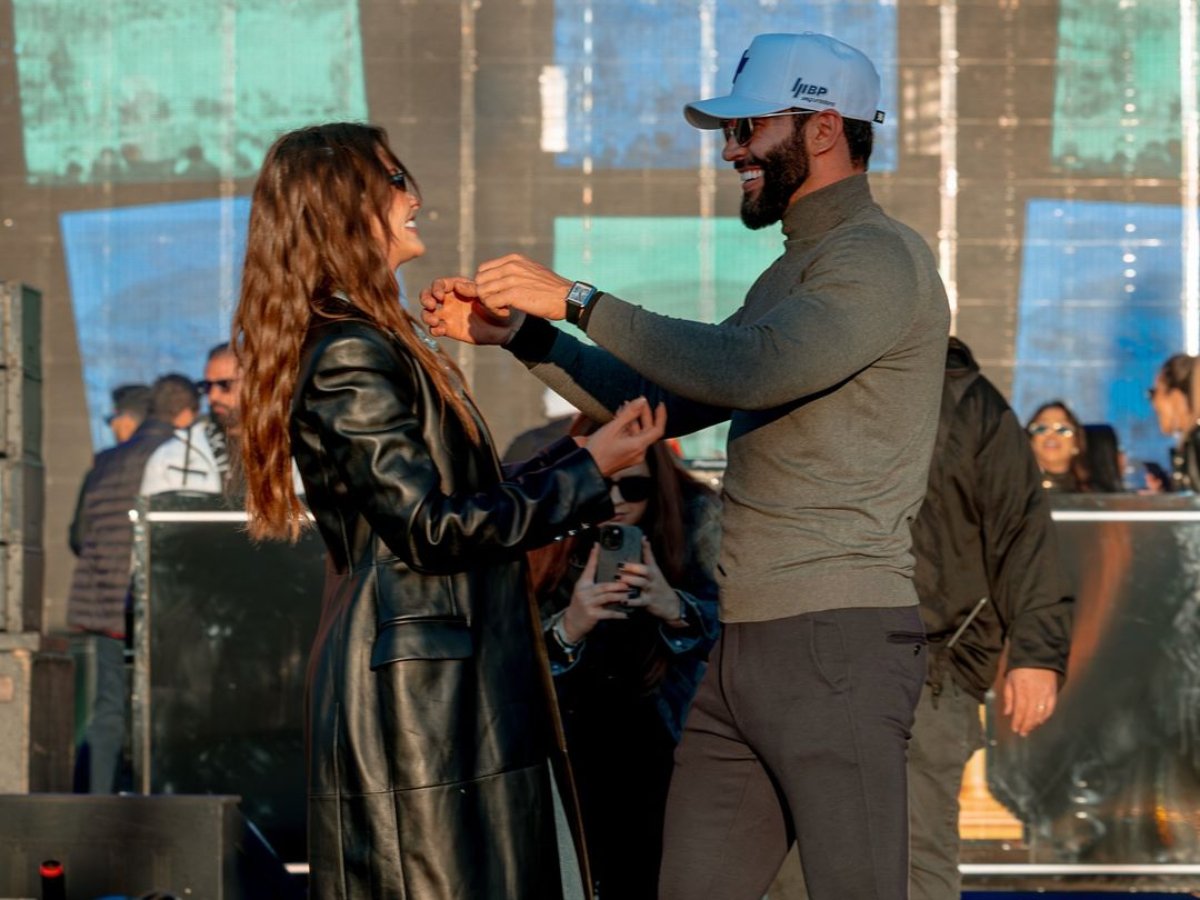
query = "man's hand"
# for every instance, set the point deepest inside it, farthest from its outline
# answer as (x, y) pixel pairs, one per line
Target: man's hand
(450, 308)
(1029, 697)
(515, 282)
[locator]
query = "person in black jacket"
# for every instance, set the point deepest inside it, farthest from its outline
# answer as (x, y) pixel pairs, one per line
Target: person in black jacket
(627, 657)
(99, 595)
(130, 407)
(1060, 448)
(987, 573)
(430, 715)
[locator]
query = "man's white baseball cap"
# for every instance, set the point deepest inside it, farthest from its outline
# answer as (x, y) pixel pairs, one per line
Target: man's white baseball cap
(795, 71)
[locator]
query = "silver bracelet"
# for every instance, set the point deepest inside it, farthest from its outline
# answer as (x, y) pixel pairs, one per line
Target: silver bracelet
(560, 636)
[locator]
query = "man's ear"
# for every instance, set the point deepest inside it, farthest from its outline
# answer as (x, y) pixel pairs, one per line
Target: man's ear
(822, 132)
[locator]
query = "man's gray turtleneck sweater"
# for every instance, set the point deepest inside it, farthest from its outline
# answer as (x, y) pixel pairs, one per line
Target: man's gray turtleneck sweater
(830, 375)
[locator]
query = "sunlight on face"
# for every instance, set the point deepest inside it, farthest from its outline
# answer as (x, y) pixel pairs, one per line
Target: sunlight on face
(1052, 437)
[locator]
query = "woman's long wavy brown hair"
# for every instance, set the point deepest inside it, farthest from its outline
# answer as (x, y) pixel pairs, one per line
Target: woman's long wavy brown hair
(320, 204)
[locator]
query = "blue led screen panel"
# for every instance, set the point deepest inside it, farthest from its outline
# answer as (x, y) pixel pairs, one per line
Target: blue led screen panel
(1117, 88)
(692, 268)
(1099, 310)
(127, 90)
(152, 288)
(640, 61)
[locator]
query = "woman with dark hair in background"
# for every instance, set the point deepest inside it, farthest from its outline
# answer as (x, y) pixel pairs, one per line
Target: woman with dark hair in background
(1173, 398)
(1060, 447)
(627, 658)
(428, 723)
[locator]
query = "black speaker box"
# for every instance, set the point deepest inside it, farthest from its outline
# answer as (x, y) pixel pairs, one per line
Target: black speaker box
(190, 847)
(222, 631)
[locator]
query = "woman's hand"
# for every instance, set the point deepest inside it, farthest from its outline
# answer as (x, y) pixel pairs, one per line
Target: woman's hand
(592, 603)
(622, 442)
(450, 307)
(654, 594)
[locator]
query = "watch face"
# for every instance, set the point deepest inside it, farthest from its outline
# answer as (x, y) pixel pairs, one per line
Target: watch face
(577, 300)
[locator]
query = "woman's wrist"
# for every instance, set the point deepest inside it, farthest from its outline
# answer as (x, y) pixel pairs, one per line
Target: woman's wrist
(562, 635)
(681, 619)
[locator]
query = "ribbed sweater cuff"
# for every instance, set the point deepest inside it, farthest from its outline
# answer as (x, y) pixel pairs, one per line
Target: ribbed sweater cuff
(533, 340)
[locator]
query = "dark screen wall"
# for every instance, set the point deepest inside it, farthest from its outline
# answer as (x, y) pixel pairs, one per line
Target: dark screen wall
(459, 85)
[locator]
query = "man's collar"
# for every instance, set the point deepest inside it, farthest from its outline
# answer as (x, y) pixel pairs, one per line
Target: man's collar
(824, 209)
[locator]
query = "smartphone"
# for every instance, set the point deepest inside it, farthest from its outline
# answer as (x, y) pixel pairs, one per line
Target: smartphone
(618, 544)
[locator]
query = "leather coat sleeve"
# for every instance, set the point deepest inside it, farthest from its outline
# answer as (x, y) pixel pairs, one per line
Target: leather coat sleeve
(363, 398)
(547, 456)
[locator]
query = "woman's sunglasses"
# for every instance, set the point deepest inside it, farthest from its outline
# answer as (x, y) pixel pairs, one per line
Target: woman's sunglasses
(1060, 430)
(398, 179)
(633, 488)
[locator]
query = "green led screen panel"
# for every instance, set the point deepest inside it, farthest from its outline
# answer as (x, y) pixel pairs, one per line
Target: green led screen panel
(1117, 91)
(690, 268)
(136, 90)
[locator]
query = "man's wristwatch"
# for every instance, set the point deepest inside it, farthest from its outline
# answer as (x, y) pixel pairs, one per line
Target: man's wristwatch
(579, 297)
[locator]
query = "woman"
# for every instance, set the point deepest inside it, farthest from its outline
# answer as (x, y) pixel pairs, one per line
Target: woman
(1173, 399)
(427, 725)
(1060, 447)
(627, 657)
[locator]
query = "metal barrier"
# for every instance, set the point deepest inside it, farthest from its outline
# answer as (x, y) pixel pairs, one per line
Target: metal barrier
(1109, 788)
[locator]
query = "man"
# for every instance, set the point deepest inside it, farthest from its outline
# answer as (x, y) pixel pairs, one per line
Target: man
(987, 572)
(984, 532)
(197, 458)
(830, 375)
(131, 405)
(222, 376)
(98, 599)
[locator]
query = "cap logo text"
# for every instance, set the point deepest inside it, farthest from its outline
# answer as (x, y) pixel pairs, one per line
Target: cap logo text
(808, 90)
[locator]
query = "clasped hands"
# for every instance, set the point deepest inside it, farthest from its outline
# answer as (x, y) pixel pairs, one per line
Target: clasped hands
(489, 308)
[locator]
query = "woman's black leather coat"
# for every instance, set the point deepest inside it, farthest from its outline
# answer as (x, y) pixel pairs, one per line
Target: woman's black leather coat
(428, 717)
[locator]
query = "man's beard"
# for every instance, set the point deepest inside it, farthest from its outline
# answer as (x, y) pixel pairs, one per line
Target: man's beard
(225, 417)
(784, 170)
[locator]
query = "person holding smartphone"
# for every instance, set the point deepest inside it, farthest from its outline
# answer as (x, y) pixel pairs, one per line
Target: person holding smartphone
(627, 656)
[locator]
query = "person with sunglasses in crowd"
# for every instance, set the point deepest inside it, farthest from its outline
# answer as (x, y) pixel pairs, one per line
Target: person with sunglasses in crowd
(429, 714)
(830, 376)
(1060, 448)
(627, 657)
(1173, 398)
(222, 377)
(198, 458)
